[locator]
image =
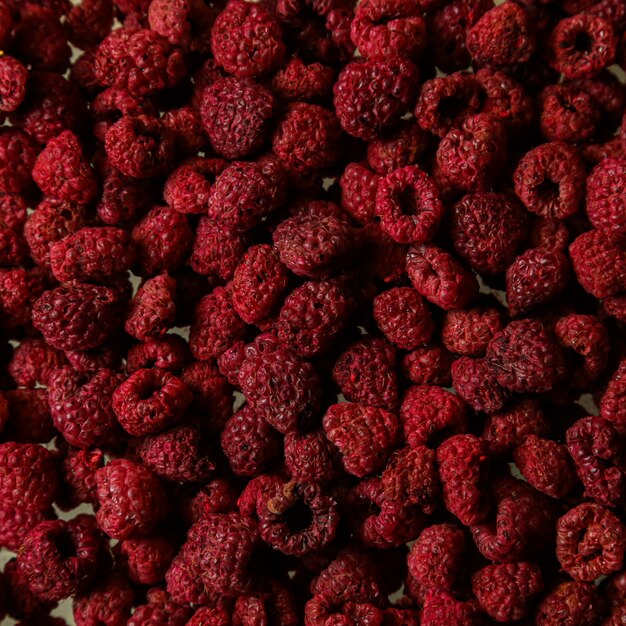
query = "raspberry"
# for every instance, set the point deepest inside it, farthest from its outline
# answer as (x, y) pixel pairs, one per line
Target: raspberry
(440, 278)
(90, 22)
(33, 361)
(206, 616)
(80, 317)
(605, 204)
(236, 114)
(411, 477)
(109, 603)
(81, 408)
(428, 366)
(246, 194)
(501, 37)
(183, 584)
(140, 147)
(297, 518)
(505, 430)
(469, 331)
(178, 455)
(22, 602)
(130, 498)
(567, 114)
(403, 317)
(590, 542)
(312, 246)
(79, 473)
(569, 604)
(28, 476)
(298, 81)
(310, 457)
(506, 592)
(312, 317)
(171, 20)
(537, 276)
(150, 400)
(359, 187)
(153, 309)
(525, 358)
(169, 352)
(226, 542)
(139, 60)
(185, 124)
(441, 607)
(366, 373)
(582, 45)
(13, 247)
(599, 261)
(13, 211)
(13, 79)
(30, 420)
(123, 199)
(59, 558)
(596, 448)
(400, 148)
(246, 40)
(188, 186)
(162, 239)
(615, 306)
(387, 28)
(429, 414)
(160, 609)
(215, 326)
(18, 153)
(487, 229)
(372, 96)
(217, 250)
(322, 146)
(445, 102)
(249, 442)
(470, 157)
(613, 400)
(217, 496)
(408, 205)
(16, 523)
(364, 436)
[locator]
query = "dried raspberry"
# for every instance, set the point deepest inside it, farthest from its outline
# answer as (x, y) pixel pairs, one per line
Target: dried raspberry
(162, 238)
(160, 609)
(605, 204)
(470, 157)
(366, 373)
(613, 401)
(582, 45)
(246, 194)
(30, 420)
(187, 188)
(123, 199)
(153, 309)
(312, 317)
(17, 158)
(33, 361)
(501, 37)
(28, 476)
(445, 102)
(440, 278)
(109, 603)
(236, 115)
(13, 79)
(16, 523)
(590, 542)
(59, 558)
(218, 549)
(297, 518)
(183, 584)
(89, 22)
(131, 499)
(505, 430)
(90, 361)
(525, 358)
(298, 81)
(402, 147)
(567, 114)
(140, 147)
(372, 96)
(171, 20)
(149, 401)
(217, 250)
(546, 465)
(79, 317)
(139, 60)
(463, 467)
(364, 436)
(359, 187)
(569, 604)
(170, 352)
(311, 457)
(596, 448)
(207, 616)
(81, 406)
(615, 306)
(246, 40)
(469, 331)
(79, 473)
(13, 211)
(487, 229)
(429, 414)
(599, 261)
(178, 454)
(388, 28)
(441, 607)
(21, 601)
(506, 592)
(19, 290)
(215, 326)
(185, 124)
(537, 276)
(428, 366)
(249, 442)
(13, 247)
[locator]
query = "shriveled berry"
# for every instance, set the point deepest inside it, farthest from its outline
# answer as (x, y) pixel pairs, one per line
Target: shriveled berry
(469, 331)
(606, 190)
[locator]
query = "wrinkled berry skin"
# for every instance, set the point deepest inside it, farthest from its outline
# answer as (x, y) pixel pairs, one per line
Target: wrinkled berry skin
(570, 604)
(605, 196)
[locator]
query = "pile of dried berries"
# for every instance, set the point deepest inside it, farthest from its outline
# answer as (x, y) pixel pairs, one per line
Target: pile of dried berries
(313, 312)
